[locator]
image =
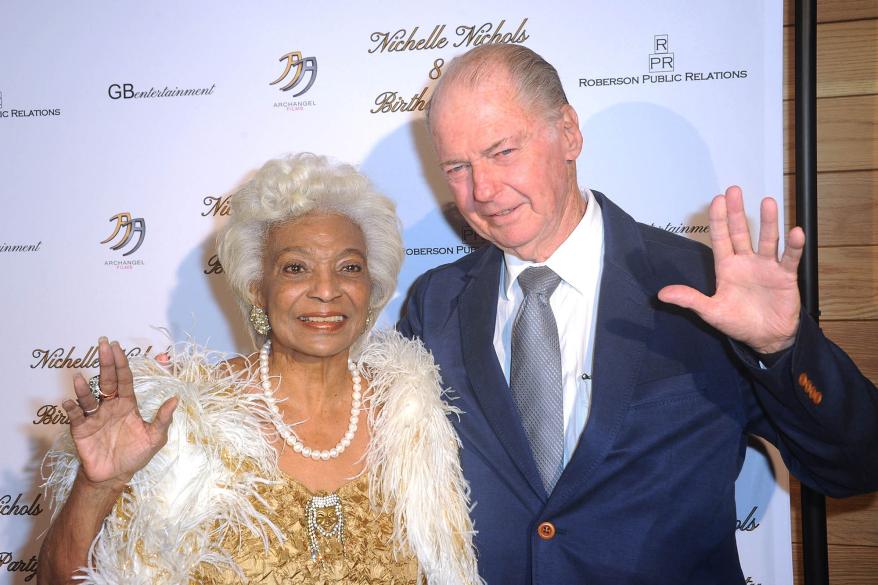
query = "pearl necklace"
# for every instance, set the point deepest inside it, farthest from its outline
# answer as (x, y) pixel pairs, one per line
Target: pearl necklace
(287, 433)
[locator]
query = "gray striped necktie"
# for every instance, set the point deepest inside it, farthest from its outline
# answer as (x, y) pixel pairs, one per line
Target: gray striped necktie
(535, 376)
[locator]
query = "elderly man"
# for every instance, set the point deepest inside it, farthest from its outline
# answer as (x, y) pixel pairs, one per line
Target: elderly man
(609, 373)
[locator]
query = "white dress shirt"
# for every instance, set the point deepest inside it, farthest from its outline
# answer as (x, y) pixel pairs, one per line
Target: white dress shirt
(579, 262)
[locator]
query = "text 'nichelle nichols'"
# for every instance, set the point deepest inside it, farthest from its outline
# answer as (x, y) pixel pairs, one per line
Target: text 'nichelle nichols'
(408, 40)
(61, 358)
(467, 36)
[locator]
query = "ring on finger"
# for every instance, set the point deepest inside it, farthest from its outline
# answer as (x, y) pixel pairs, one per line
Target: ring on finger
(107, 396)
(94, 384)
(91, 411)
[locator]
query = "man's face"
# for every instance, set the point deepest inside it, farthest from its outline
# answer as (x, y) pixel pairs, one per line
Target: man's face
(511, 170)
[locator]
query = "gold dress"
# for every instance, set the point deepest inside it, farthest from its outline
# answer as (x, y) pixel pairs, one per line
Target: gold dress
(365, 558)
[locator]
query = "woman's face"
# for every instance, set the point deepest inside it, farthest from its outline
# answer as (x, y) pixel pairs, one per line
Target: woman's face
(315, 285)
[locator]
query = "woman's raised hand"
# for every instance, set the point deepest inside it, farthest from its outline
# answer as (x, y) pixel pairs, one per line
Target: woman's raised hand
(112, 439)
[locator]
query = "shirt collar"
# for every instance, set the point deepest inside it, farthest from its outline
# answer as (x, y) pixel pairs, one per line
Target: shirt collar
(578, 257)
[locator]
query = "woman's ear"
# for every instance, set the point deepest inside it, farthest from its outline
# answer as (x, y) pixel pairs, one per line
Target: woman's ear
(255, 296)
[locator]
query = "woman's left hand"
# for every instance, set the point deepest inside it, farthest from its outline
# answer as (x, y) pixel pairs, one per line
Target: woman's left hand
(111, 438)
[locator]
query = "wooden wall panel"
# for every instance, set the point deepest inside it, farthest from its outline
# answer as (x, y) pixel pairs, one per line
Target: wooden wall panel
(836, 10)
(847, 59)
(847, 181)
(848, 283)
(848, 565)
(847, 134)
(860, 340)
(850, 521)
(847, 207)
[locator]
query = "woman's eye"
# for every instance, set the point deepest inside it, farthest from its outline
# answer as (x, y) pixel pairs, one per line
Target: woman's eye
(294, 268)
(352, 267)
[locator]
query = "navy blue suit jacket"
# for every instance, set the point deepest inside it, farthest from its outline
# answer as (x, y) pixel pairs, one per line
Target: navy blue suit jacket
(649, 494)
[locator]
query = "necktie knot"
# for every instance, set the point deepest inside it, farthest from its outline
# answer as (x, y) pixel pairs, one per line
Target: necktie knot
(539, 279)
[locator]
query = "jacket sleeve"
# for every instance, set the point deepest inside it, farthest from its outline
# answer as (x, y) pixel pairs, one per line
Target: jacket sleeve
(820, 411)
(410, 323)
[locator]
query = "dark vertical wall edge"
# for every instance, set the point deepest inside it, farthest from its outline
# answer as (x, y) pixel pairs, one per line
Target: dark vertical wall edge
(814, 547)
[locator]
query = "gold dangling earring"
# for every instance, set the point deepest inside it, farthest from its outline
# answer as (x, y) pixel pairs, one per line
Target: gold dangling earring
(368, 320)
(259, 320)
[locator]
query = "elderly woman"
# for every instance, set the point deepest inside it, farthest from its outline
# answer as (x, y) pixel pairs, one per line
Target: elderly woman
(325, 458)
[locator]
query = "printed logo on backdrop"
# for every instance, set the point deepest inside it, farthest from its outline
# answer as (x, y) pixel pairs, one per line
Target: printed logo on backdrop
(29, 111)
(216, 207)
(15, 507)
(128, 234)
(465, 36)
(213, 266)
(19, 247)
(470, 241)
(749, 522)
(299, 74)
(661, 68)
(127, 91)
(13, 565)
(70, 358)
(684, 229)
(662, 61)
(51, 414)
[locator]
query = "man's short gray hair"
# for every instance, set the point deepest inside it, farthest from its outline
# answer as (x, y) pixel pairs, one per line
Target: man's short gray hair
(534, 80)
(292, 187)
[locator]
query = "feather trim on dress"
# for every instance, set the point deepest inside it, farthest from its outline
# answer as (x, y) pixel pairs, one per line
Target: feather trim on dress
(200, 485)
(204, 482)
(413, 460)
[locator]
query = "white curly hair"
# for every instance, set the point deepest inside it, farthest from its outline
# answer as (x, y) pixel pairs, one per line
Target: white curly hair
(287, 188)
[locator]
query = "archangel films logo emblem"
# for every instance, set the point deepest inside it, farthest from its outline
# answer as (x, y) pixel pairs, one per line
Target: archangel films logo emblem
(297, 70)
(130, 231)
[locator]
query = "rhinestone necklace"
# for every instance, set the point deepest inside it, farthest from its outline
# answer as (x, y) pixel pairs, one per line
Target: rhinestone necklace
(287, 433)
(315, 528)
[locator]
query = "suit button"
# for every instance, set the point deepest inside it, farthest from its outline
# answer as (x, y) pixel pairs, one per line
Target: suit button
(546, 530)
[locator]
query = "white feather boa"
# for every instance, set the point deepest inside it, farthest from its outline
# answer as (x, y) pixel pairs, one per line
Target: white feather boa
(204, 482)
(413, 460)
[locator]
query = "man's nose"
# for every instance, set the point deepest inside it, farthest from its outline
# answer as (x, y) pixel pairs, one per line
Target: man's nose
(485, 182)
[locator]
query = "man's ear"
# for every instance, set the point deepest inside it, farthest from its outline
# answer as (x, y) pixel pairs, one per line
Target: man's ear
(571, 134)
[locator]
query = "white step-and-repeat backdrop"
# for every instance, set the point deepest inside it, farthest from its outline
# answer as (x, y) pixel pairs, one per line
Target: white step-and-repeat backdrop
(124, 128)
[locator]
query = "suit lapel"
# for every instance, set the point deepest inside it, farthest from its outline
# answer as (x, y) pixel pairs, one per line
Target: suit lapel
(478, 308)
(624, 326)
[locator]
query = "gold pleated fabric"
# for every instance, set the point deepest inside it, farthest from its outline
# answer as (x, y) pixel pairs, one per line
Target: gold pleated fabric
(365, 559)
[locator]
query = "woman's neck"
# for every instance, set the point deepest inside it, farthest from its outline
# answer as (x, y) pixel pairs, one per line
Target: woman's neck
(311, 384)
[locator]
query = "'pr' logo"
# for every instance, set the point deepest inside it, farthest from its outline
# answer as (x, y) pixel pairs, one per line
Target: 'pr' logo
(132, 226)
(662, 60)
(302, 65)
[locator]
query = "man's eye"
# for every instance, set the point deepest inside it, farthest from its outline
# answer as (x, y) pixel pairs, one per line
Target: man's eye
(455, 170)
(505, 152)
